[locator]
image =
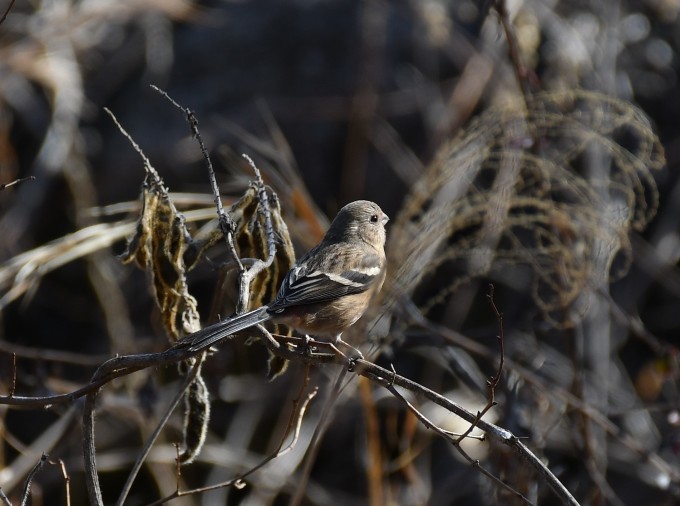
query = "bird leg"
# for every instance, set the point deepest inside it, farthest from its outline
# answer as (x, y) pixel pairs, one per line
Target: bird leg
(354, 354)
(305, 349)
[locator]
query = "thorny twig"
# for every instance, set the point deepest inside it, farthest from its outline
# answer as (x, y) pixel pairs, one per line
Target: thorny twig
(227, 225)
(456, 442)
(385, 378)
(536, 381)
(493, 381)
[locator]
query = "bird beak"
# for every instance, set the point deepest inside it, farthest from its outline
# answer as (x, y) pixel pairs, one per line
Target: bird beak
(385, 219)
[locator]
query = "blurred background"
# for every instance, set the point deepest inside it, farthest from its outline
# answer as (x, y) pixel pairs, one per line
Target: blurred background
(414, 104)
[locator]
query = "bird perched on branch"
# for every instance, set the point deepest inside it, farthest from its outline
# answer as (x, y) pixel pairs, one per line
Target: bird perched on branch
(329, 288)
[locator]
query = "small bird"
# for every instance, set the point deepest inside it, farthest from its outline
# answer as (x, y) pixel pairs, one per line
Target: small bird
(329, 288)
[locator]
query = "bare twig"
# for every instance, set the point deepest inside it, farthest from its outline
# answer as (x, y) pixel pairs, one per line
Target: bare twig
(110, 369)
(260, 265)
(455, 441)
(315, 442)
(147, 163)
(67, 479)
(21, 179)
(526, 79)
(15, 472)
(9, 8)
(127, 364)
(296, 418)
(27, 486)
(5, 500)
(493, 382)
(387, 378)
(195, 370)
(298, 423)
(227, 225)
(13, 383)
(91, 476)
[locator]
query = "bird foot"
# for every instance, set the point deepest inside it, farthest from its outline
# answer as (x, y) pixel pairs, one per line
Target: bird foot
(305, 348)
(353, 355)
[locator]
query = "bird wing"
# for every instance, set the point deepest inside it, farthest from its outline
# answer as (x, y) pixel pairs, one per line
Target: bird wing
(305, 284)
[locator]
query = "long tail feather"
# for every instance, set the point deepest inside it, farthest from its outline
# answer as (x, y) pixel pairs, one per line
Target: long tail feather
(208, 336)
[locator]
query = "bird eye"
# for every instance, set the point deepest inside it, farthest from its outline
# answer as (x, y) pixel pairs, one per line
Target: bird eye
(374, 218)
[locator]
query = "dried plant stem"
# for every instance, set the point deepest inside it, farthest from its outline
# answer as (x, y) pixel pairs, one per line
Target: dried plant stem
(315, 442)
(247, 275)
(294, 422)
(195, 370)
(5, 500)
(27, 486)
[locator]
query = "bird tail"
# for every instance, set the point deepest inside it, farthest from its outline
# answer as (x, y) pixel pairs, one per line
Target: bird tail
(208, 336)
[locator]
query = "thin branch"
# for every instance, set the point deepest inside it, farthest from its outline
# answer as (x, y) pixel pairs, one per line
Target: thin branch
(296, 418)
(526, 78)
(91, 476)
(27, 486)
(154, 436)
(315, 442)
(493, 382)
(13, 383)
(259, 265)
(5, 500)
(298, 424)
(456, 442)
(9, 8)
(147, 163)
(385, 378)
(127, 364)
(110, 369)
(227, 225)
(67, 479)
(21, 179)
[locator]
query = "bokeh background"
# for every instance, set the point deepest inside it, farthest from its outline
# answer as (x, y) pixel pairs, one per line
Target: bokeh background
(335, 101)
